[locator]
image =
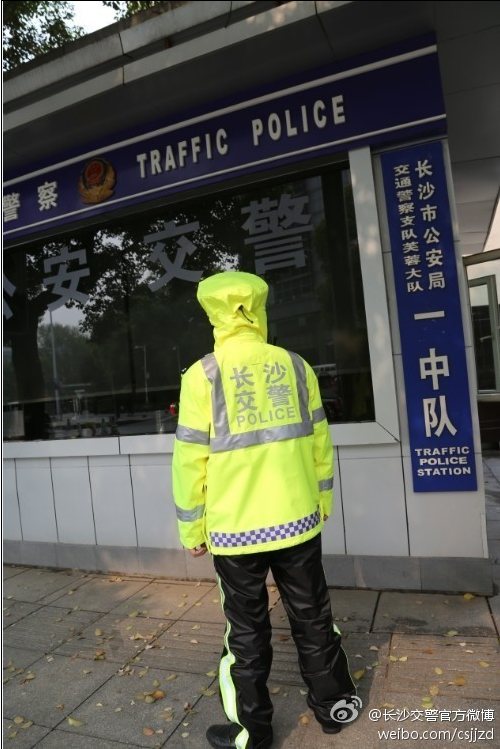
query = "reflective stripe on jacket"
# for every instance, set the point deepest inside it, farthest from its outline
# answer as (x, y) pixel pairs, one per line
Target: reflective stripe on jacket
(253, 459)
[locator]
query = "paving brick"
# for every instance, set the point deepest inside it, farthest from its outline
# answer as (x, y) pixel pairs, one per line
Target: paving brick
(47, 628)
(433, 614)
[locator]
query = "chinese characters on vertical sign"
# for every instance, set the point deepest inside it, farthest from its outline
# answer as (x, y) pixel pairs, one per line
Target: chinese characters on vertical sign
(430, 320)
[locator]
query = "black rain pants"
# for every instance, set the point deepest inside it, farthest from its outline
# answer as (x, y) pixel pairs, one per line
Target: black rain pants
(247, 654)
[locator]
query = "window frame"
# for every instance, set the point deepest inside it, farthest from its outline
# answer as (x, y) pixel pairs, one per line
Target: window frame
(490, 283)
(385, 428)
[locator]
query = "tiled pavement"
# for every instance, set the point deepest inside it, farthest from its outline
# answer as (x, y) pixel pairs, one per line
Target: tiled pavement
(104, 662)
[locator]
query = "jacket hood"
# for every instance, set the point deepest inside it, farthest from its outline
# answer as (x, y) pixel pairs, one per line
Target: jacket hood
(234, 301)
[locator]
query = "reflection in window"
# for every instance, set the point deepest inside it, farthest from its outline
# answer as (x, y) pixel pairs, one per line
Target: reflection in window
(99, 325)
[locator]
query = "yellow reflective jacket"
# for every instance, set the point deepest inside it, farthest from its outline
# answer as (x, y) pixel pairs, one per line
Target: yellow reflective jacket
(253, 460)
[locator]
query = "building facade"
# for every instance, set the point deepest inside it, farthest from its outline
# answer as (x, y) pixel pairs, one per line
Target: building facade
(349, 153)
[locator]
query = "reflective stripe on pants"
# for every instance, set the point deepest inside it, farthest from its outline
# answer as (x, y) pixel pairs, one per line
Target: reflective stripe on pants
(246, 661)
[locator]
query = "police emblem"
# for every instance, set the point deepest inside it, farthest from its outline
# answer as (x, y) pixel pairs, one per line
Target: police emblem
(97, 181)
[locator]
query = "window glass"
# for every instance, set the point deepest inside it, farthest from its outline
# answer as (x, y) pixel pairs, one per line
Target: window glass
(99, 323)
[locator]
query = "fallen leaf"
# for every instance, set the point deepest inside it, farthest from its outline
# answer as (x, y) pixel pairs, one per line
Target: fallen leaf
(194, 642)
(359, 674)
(275, 690)
(158, 694)
(434, 690)
(148, 731)
(403, 658)
(75, 723)
(98, 632)
(373, 647)
(452, 633)
(484, 664)
(284, 638)
(19, 719)
(212, 673)
(438, 671)
(303, 691)
(460, 681)
(207, 692)
(171, 677)
(87, 671)
(28, 677)
(304, 720)
(468, 596)
(100, 655)
(185, 734)
(429, 651)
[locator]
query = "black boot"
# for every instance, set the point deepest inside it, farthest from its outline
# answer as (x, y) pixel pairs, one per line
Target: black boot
(333, 726)
(224, 736)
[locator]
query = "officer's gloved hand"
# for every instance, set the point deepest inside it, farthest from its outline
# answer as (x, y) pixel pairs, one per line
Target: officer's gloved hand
(198, 551)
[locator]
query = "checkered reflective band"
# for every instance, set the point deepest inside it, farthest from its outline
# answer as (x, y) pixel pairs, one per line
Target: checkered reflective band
(263, 535)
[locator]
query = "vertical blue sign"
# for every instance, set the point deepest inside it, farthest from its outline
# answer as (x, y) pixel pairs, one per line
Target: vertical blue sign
(430, 320)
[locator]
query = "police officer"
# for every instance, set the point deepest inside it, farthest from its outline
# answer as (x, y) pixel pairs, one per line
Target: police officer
(253, 484)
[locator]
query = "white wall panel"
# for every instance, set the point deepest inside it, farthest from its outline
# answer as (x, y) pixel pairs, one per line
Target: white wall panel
(73, 501)
(374, 507)
(36, 500)
(446, 524)
(112, 500)
(153, 501)
(10, 505)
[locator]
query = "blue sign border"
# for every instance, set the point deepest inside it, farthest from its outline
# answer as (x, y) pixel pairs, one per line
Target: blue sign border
(383, 98)
(430, 319)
